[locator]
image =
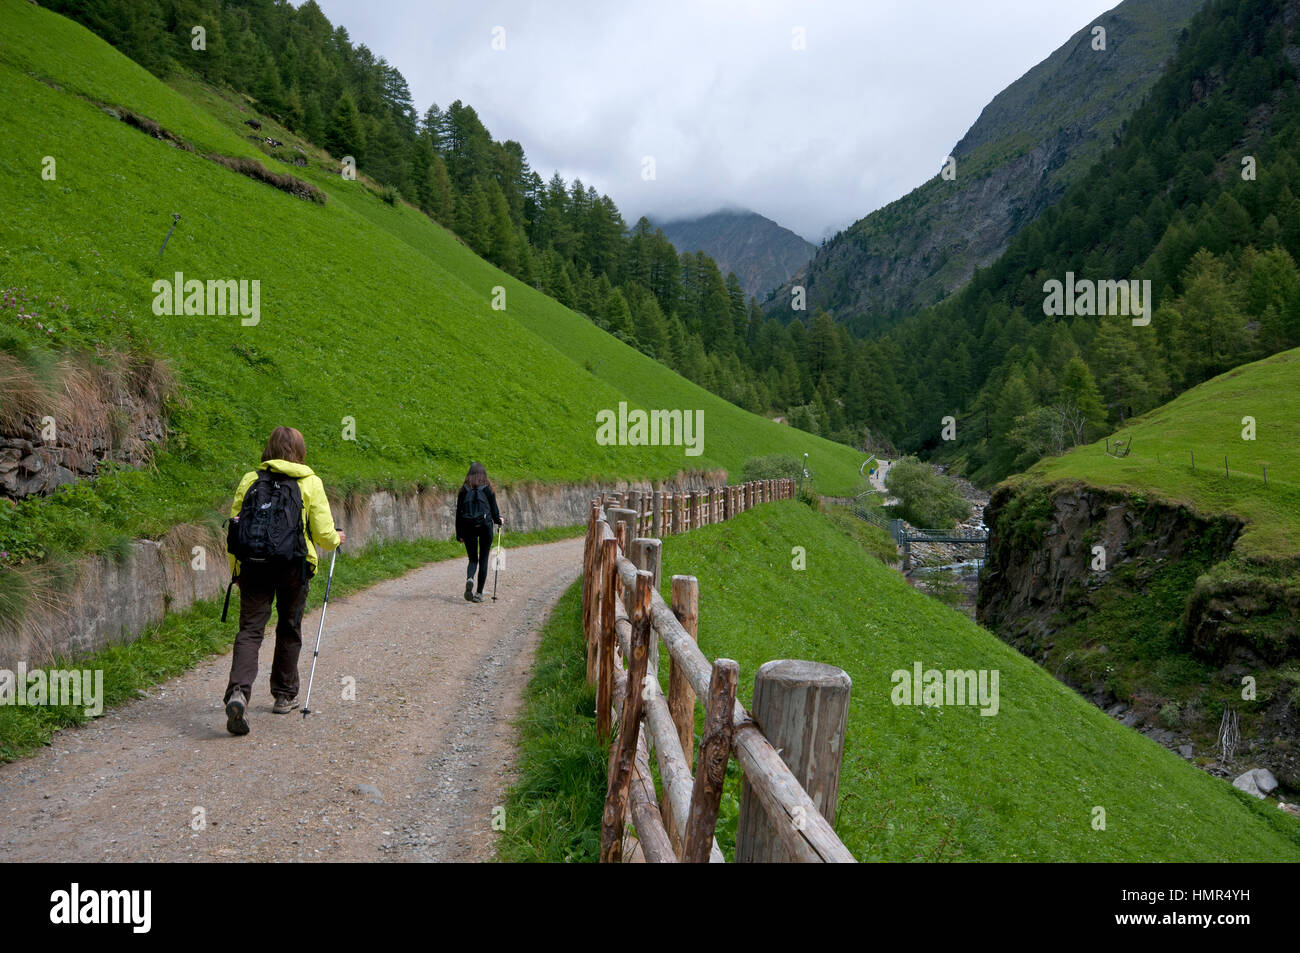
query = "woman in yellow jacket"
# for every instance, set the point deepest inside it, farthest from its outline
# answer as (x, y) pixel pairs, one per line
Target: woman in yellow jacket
(284, 582)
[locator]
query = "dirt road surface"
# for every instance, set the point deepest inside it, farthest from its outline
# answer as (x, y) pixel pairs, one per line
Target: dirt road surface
(409, 771)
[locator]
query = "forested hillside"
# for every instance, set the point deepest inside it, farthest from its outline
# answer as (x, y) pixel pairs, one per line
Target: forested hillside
(1199, 198)
(563, 238)
(369, 335)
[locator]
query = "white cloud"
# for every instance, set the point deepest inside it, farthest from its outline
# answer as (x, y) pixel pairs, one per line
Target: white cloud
(713, 90)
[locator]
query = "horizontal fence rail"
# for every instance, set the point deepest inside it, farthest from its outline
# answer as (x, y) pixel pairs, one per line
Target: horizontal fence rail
(626, 621)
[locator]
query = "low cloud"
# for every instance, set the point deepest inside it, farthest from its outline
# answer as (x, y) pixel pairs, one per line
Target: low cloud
(731, 113)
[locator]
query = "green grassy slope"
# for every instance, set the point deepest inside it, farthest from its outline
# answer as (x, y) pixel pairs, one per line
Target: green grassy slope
(947, 783)
(368, 311)
(553, 809)
(1208, 421)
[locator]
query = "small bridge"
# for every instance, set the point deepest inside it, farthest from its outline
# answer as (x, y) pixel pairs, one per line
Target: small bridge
(905, 535)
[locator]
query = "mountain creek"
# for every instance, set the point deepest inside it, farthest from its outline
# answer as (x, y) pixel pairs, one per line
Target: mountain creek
(950, 571)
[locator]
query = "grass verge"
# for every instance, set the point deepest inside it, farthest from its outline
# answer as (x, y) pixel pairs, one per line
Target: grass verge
(553, 809)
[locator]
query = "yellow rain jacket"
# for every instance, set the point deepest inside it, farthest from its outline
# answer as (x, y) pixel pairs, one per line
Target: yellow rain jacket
(317, 521)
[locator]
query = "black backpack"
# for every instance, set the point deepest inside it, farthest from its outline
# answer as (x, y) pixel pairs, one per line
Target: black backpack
(268, 528)
(475, 508)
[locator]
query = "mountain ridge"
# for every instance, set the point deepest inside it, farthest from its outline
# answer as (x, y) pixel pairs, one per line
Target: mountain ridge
(762, 253)
(1015, 161)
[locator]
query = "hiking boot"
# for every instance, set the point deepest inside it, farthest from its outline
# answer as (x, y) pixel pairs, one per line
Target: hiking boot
(235, 708)
(477, 597)
(283, 706)
(469, 590)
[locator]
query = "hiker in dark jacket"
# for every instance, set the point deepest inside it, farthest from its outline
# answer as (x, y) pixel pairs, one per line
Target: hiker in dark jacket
(476, 511)
(284, 581)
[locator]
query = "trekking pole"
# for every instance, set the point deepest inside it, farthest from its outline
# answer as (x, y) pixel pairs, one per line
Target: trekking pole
(501, 544)
(306, 705)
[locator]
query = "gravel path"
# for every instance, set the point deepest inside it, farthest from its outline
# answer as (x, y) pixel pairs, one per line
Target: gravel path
(878, 478)
(411, 770)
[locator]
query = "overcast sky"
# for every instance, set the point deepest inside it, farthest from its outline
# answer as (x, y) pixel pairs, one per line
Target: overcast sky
(715, 92)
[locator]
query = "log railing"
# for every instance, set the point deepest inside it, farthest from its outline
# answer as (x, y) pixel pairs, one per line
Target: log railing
(625, 620)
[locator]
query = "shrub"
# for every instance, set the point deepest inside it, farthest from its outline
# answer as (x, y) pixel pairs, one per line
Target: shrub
(775, 466)
(925, 498)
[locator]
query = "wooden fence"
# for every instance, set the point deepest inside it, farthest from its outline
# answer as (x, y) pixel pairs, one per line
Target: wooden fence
(789, 749)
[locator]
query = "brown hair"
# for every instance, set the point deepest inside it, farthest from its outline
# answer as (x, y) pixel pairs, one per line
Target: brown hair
(477, 476)
(285, 443)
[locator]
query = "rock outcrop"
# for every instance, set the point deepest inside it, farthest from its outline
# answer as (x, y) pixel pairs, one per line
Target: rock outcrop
(60, 428)
(1144, 608)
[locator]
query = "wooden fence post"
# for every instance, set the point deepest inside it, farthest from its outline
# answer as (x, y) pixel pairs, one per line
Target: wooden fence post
(624, 522)
(711, 770)
(624, 756)
(608, 638)
(681, 697)
(592, 516)
(802, 708)
(590, 589)
(648, 554)
(679, 513)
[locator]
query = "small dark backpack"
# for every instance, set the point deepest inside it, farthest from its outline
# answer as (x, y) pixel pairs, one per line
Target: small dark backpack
(475, 508)
(269, 526)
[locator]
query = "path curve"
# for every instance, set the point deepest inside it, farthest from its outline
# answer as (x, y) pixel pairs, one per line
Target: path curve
(438, 681)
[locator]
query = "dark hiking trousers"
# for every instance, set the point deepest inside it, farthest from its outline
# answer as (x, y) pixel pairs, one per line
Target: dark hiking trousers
(478, 543)
(288, 589)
